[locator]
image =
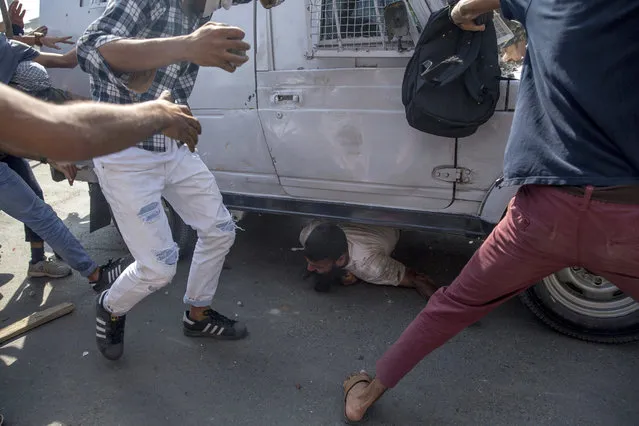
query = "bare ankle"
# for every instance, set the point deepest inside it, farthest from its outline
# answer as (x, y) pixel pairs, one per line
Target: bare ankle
(197, 313)
(94, 276)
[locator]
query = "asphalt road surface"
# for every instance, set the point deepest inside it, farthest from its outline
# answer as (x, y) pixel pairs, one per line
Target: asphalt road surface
(507, 370)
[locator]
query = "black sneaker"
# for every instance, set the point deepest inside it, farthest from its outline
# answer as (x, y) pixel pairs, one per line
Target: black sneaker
(109, 331)
(215, 325)
(109, 272)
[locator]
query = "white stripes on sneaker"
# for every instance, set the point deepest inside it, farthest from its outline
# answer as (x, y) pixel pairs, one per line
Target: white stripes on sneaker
(100, 331)
(208, 328)
(101, 324)
(213, 331)
(114, 273)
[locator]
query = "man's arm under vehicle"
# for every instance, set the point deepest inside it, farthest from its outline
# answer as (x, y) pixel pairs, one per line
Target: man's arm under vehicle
(465, 12)
(78, 131)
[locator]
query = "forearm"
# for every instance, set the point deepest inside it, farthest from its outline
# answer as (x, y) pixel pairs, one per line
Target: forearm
(134, 55)
(30, 40)
(471, 9)
(102, 128)
(55, 60)
(73, 132)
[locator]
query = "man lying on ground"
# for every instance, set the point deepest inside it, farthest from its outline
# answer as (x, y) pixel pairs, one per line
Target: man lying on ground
(359, 253)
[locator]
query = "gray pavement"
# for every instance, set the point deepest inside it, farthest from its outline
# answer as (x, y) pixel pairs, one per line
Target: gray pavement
(507, 370)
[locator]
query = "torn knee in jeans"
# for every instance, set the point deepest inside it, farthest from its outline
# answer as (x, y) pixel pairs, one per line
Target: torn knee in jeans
(168, 256)
(150, 213)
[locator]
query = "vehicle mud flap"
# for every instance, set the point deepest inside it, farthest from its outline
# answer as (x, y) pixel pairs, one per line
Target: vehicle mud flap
(100, 211)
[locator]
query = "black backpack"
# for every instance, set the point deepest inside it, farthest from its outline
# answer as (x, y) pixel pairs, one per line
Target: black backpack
(451, 84)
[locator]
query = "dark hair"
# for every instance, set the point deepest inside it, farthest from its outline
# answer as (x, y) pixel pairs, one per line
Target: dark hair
(326, 241)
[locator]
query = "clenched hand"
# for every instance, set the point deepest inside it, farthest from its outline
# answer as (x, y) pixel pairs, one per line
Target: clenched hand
(182, 126)
(68, 169)
(218, 45)
(463, 15)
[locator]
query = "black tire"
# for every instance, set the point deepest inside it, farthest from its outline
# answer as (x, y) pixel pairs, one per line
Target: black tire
(562, 302)
(183, 235)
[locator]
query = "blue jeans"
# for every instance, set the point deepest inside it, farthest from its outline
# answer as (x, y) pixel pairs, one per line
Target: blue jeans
(19, 201)
(21, 167)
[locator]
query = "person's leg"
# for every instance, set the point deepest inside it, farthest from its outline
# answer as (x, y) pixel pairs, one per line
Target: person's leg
(193, 193)
(21, 167)
(134, 195)
(21, 203)
(609, 245)
(535, 239)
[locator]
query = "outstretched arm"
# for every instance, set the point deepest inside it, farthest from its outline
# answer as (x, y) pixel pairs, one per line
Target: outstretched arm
(79, 131)
(55, 60)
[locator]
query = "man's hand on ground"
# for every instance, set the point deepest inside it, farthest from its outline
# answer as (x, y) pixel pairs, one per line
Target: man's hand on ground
(69, 170)
(52, 42)
(182, 125)
(218, 45)
(349, 279)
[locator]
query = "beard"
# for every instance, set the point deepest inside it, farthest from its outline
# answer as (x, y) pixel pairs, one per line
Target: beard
(324, 282)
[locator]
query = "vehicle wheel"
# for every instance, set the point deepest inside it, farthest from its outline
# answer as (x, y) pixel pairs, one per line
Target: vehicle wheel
(580, 304)
(183, 235)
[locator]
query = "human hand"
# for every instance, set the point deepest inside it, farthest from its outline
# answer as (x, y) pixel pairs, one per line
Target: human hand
(181, 125)
(464, 17)
(349, 279)
(69, 170)
(16, 13)
(217, 45)
(269, 4)
(42, 29)
(52, 42)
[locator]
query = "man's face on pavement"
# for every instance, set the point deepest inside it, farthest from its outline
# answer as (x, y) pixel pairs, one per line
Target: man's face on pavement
(325, 266)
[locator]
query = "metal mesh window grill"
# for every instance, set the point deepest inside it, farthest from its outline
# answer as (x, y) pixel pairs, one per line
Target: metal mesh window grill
(355, 25)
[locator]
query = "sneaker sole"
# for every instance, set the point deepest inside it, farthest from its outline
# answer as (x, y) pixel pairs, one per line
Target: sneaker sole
(44, 274)
(190, 333)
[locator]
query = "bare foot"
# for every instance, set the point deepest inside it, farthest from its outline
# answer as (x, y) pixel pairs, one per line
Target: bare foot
(425, 286)
(356, 407)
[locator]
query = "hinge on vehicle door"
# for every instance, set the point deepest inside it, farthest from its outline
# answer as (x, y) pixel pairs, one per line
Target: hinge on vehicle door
(452, 174)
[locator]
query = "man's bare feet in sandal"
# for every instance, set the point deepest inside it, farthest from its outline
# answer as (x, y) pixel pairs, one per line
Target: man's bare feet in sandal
(360, 394)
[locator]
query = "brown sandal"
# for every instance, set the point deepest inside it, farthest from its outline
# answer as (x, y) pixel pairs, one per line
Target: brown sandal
(348, 385)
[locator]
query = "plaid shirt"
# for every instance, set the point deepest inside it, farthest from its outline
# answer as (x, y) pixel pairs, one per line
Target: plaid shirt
(141, 19)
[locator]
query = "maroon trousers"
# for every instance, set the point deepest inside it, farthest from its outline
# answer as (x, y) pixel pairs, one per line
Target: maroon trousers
(544, 231)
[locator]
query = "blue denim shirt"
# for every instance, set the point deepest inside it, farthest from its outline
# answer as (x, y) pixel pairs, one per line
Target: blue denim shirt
(577, 115)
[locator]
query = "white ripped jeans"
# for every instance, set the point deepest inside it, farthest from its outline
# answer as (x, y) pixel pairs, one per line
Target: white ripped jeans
(133, 183)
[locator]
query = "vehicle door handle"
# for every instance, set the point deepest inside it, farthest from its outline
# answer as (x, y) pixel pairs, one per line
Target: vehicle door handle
(287, 98)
